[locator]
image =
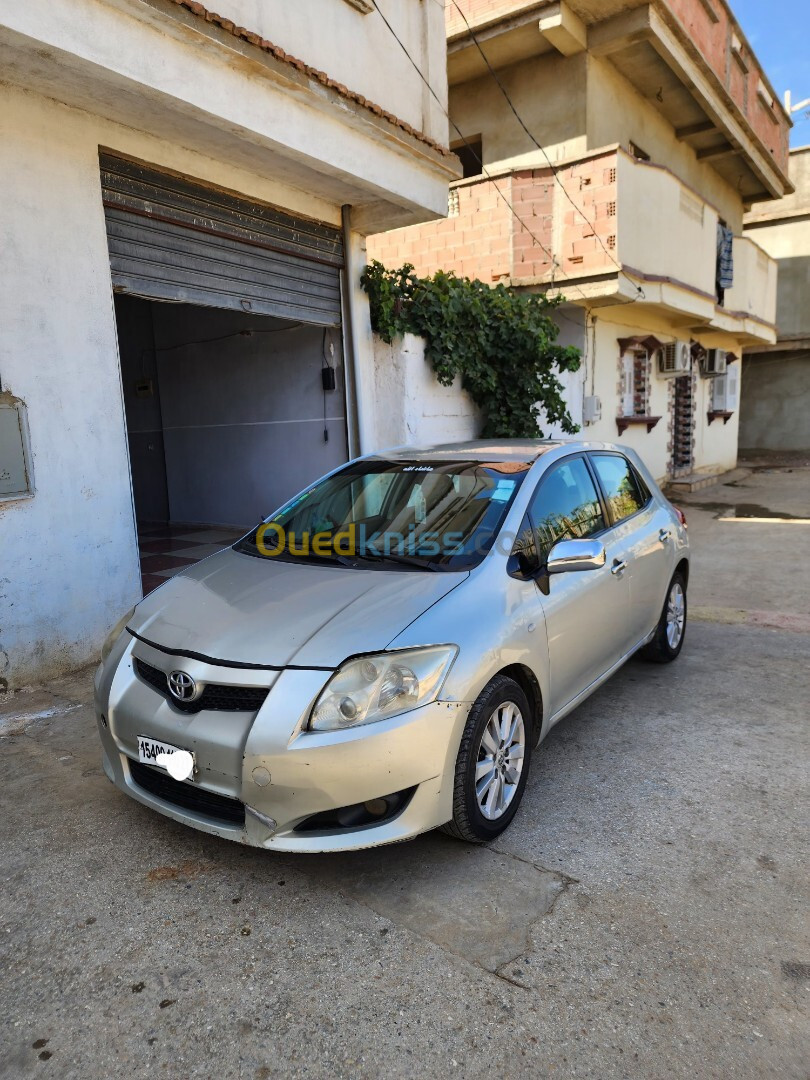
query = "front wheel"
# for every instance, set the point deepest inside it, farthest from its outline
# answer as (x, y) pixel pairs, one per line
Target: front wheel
(493, 762)
(669, 634)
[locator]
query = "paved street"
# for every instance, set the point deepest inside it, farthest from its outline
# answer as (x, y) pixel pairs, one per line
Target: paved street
(645, 916)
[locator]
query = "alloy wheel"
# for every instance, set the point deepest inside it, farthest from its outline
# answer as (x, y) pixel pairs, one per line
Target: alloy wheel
(500, 760)
(676, 615)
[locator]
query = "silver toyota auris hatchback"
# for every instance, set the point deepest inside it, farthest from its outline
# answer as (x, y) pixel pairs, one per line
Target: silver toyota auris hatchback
(383, 654)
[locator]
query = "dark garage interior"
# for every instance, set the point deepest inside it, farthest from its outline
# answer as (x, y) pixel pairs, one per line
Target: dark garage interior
(227, 417)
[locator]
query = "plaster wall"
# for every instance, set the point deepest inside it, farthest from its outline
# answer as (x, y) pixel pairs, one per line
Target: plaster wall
(410, 405)
(243, 417)
(157, 67)
(328, 33)
(774, 412)
(788, 241)
(549, 93)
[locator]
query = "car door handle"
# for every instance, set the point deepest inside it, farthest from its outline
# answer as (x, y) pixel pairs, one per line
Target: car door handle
(664, 535)
(618, 566)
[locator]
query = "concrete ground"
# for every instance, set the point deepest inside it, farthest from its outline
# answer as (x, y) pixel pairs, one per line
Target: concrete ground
(644, 916)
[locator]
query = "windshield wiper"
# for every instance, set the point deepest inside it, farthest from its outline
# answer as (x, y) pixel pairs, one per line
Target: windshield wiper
(373, 555)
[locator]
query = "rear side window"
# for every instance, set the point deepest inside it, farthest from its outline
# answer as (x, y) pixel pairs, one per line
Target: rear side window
(623, 490)
(565, 507)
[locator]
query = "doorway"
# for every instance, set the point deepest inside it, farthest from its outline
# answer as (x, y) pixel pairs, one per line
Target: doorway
(228, 416)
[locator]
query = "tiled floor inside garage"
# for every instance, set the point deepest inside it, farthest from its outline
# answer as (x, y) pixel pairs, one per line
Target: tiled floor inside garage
(168, 548)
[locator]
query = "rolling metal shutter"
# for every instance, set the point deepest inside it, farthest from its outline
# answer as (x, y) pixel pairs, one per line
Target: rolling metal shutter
(172, 239)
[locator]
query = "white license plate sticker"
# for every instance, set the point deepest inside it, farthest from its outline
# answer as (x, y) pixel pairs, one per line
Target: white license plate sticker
(150, 749)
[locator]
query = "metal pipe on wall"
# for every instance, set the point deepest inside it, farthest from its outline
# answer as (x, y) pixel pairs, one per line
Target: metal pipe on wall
(356, 416)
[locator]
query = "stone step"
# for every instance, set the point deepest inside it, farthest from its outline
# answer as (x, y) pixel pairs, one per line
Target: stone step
(698, 481)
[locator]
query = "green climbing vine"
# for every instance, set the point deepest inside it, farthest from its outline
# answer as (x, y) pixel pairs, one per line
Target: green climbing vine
(500, 342)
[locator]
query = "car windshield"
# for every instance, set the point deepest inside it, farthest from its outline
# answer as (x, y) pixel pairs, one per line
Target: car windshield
(409, 515)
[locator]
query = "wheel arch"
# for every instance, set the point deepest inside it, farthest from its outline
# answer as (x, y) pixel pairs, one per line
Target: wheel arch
(529, 684)
(683, 568)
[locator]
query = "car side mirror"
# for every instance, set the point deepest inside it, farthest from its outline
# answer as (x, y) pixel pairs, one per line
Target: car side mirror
(575, 555)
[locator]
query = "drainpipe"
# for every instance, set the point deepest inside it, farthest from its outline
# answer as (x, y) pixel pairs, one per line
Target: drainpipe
(356, 402)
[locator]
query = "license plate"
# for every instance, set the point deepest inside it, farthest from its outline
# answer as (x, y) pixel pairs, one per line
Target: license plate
(148, 750)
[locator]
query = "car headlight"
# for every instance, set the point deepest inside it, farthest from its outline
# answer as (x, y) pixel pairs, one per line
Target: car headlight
(375, 687)
(114, 634)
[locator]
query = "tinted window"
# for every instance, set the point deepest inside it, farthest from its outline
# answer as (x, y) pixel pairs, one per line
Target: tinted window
(566, 506)
(619, 482)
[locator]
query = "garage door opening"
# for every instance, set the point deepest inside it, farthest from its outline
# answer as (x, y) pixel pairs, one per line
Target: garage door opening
(228, 415)
(229, 316)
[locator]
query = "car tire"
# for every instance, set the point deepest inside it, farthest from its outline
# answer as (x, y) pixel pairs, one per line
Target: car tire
(671, 630)
(480, 811)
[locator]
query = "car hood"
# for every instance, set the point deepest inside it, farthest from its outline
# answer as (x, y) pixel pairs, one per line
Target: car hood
(243, 609)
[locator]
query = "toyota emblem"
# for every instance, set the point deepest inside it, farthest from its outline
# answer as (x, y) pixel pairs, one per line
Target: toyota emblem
(182, 686)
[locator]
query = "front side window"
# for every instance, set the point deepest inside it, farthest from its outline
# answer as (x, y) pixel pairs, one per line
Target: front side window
(565, 507)
(623, 491)
(434, 515)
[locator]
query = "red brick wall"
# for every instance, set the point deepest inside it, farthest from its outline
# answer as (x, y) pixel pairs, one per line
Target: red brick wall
(588, 235)
(486, 240)
(477, 242)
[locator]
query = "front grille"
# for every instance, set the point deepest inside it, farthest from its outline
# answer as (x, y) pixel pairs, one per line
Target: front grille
(187, 796)
(216, 696)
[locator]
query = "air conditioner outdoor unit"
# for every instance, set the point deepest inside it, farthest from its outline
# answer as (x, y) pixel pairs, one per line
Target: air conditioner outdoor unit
(715, 362)
(675, 358)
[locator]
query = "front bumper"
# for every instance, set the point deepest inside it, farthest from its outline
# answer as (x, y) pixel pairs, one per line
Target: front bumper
(281, 773)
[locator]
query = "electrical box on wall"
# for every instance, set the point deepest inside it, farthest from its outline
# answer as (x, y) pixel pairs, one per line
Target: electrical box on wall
(15, 463)
(591, 409)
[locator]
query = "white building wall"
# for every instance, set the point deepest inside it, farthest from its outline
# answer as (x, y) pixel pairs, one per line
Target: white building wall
(69, 557)
(409, 405)
(325, 33)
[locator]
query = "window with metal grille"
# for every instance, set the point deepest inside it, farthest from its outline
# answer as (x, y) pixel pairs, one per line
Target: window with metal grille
(636, 382)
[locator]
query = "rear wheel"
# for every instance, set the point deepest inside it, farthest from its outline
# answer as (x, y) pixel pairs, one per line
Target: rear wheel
(493, 762)
(671, 629)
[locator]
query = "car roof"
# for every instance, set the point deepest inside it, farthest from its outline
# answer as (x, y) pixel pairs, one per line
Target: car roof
(518, 450)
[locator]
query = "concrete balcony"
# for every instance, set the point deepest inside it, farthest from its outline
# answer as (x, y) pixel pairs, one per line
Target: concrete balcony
(636, 227)
(753, 291)
(607, 229)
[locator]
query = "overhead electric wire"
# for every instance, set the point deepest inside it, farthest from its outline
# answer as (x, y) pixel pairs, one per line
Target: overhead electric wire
(542, 149)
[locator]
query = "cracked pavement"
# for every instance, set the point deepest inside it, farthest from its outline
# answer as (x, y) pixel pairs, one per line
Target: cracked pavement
(644, 916)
